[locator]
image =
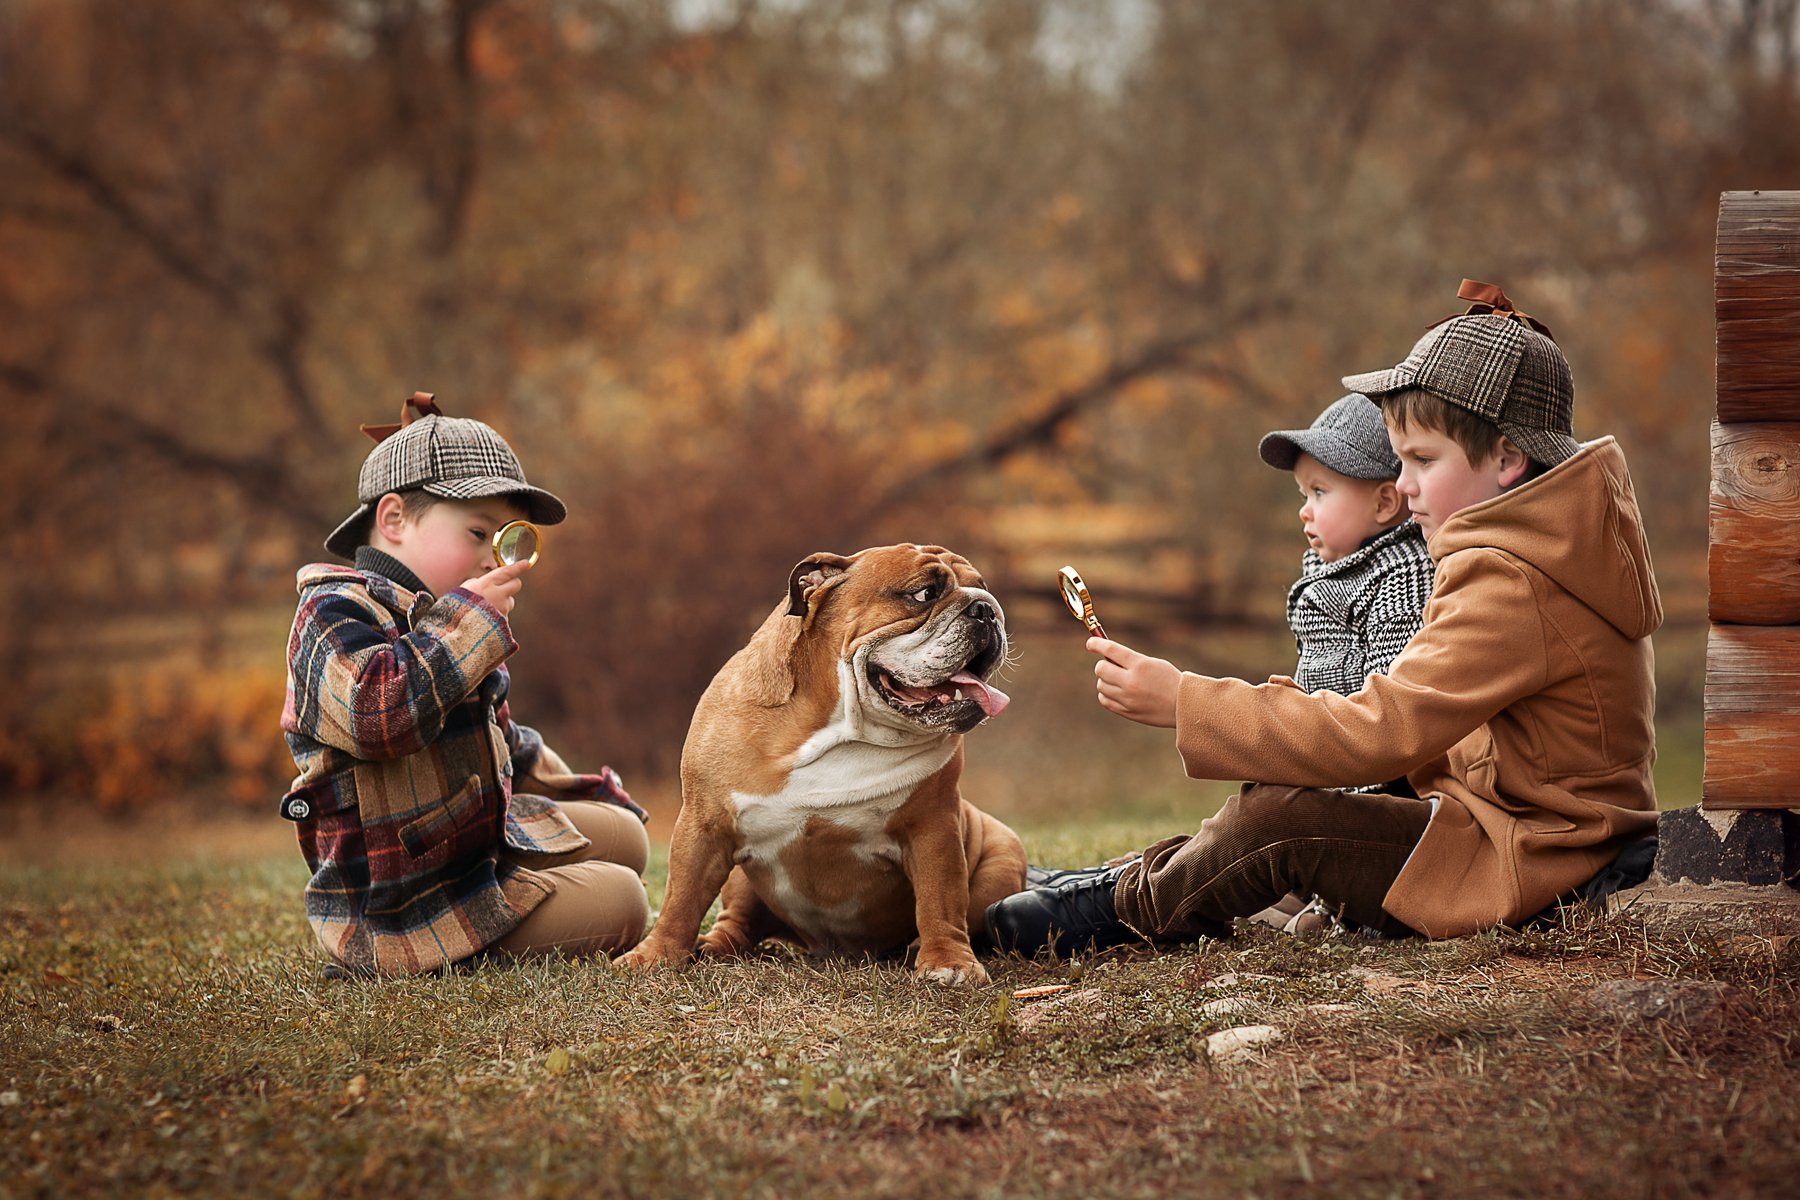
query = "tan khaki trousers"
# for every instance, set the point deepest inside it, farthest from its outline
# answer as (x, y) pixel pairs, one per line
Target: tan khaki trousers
(599, 906)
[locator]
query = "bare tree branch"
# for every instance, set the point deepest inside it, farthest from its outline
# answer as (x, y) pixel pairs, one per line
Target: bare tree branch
(223, 287)
(265, 475)
(226, 285)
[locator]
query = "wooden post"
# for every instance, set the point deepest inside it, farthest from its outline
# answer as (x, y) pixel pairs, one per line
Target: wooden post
(1753, 564)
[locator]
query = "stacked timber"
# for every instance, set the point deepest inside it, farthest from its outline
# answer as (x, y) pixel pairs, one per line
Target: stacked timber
(1753, 560)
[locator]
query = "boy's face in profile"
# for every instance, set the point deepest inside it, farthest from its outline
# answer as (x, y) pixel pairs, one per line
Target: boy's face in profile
(1438, 480)
(1340, 513)
(450, 542)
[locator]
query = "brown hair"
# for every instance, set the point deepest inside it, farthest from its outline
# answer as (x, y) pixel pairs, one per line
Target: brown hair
(1474, 434)
(416, 502)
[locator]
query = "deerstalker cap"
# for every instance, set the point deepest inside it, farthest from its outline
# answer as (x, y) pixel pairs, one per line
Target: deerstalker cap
(458, 458)
(1349, 437)
(1495, 362)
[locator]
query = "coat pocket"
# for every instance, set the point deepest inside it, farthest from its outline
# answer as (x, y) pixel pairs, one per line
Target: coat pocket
(442, 825)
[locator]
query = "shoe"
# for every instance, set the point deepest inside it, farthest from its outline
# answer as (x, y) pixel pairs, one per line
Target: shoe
(1316, 917)
(1049, 877)
(1073, 915)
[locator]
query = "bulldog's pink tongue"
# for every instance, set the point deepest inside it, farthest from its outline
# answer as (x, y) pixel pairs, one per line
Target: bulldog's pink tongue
(991, 699)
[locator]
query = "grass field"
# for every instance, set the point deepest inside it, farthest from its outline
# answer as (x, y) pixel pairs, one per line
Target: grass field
(164, 1030)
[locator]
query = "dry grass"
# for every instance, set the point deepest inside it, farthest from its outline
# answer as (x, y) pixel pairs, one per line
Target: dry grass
(164, 1030)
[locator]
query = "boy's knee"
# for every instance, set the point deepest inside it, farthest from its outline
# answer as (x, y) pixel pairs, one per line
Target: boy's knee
(1260, 813)
(598, 908)
(616, 834)
(623, 899)
(635, 846)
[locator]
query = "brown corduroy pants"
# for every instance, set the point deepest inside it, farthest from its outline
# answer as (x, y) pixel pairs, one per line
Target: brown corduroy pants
(1268, 841)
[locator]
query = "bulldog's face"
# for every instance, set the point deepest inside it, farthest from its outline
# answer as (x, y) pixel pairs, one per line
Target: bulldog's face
(920, 633)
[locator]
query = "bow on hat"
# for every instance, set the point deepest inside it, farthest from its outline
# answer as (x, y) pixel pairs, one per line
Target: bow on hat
(1487, 298)
(419, 404)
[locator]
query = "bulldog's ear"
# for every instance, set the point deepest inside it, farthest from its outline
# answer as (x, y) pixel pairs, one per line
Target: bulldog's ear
(808, 575)
(767, 674)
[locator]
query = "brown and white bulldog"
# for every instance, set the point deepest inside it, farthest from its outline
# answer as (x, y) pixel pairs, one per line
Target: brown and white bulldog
(819, 777)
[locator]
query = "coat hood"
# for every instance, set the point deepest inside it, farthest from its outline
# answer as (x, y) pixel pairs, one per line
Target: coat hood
(1579, 524)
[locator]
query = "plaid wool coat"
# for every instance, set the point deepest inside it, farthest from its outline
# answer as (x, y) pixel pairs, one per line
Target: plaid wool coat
(397, 718)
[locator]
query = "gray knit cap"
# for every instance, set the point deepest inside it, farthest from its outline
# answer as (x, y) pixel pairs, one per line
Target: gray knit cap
(1349, 437)
(458, 458)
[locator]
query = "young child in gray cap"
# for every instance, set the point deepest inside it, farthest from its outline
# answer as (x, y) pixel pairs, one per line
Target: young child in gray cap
(1366, 575)
(1364, 578)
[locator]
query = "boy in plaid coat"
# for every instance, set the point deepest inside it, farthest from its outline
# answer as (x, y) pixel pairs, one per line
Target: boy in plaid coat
(435, 826)
(1523, 710)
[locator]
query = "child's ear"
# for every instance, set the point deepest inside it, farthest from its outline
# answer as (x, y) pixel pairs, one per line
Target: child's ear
(390, 517)
(1511, 462)
(1390, 505)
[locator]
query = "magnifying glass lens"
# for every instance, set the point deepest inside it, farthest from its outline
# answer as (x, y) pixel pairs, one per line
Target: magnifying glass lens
(1071, 597)
(1076, 599)
(517, 541)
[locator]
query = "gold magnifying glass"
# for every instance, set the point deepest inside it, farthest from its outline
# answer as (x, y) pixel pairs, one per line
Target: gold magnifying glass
(517, 541)
(1075, 598)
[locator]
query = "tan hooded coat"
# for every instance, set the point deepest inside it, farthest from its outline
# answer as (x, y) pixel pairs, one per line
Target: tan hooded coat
(1523, 708)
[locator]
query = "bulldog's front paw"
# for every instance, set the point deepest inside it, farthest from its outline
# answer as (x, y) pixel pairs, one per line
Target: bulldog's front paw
(952, 974)
(649, 954)
(719, 943)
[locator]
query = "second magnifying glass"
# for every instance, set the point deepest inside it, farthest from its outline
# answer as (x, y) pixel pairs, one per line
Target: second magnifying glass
(1076, 599)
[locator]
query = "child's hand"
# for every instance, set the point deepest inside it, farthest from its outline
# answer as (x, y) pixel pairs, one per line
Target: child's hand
(499, 586)
(1135, 685)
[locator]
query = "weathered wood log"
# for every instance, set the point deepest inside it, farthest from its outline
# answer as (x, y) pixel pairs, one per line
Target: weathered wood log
(1752, 717)
(1757, 305)
(1753, 555)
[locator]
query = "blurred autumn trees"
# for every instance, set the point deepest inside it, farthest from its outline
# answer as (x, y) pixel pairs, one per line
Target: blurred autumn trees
(743, 281)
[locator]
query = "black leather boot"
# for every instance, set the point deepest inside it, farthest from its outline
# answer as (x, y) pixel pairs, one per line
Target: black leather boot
(1072, 915)
(1049, 877)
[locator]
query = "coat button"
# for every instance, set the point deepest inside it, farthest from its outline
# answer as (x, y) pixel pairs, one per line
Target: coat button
(298, 809)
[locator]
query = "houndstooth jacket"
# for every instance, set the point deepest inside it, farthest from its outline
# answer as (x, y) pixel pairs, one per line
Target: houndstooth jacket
(1352, 617)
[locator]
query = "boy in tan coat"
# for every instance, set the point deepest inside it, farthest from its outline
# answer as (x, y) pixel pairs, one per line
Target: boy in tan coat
(1522, 710)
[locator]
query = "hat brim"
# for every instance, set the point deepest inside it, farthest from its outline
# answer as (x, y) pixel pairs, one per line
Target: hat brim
(1541, 445)
(540, 506)
(1378, 383)
(352, 533)
(1282, 449)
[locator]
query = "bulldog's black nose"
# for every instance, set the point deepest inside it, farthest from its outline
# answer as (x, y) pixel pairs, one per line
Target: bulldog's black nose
(981, 610)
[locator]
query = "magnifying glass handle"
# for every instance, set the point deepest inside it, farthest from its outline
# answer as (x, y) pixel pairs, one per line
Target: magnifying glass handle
(1097, 629)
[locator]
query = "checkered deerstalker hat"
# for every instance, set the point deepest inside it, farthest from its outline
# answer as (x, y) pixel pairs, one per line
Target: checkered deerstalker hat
(1349, 437)
(1498, 363)
(458, 458)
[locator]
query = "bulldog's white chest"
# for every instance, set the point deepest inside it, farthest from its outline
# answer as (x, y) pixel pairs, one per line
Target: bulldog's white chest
(820, 848)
